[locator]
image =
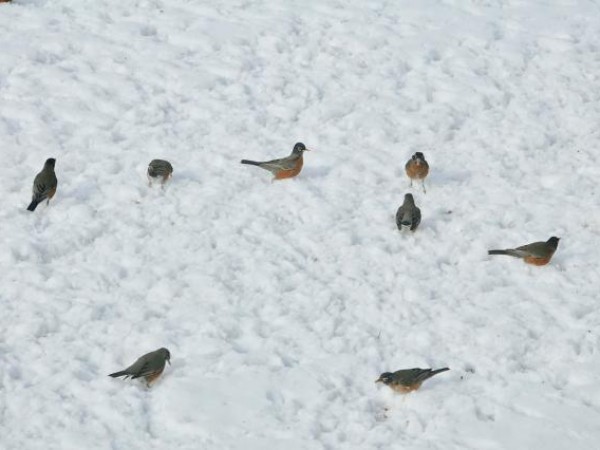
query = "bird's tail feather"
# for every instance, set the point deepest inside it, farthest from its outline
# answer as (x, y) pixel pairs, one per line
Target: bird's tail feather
(118, 374)
(432, 373)
(435, 372)
(33, 205)
(252, 163)
(427, 373)
(508, 252)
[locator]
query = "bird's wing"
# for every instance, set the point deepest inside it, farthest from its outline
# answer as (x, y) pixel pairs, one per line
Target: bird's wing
(149, 364)
(147, 368)
(399, 215)
(286, 163)
(416, 218)
(408, 376)
(535, 249)
(43, 185)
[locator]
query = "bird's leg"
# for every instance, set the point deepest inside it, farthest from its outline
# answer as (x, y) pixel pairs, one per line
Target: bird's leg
(424, 190)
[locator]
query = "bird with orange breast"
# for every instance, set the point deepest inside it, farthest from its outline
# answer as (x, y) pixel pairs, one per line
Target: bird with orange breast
(150, 366)
(282, 168)
(536, 253)
(417, 168)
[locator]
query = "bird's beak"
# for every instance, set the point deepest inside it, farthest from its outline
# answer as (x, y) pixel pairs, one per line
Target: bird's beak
(307, 149)
(169, 361)
(379, 380)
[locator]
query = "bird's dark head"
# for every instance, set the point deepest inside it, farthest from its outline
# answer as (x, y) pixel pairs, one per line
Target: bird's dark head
(50, 162)
(409, 198)
(385, 378)
(299, 148)
(553, 241)
(166, 354)
(418, 156)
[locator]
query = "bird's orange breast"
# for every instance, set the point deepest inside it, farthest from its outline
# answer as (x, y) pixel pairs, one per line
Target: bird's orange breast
(404, 389)
(290, 173)
(153, 376)
(537, 260)
(417, 171)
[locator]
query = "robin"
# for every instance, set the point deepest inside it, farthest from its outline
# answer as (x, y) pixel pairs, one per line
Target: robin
(44, 185)
(150, 366)
(159, 169)
(408, 215)
(417, 169)
(287, 167)
(537, 253)
(407, 380)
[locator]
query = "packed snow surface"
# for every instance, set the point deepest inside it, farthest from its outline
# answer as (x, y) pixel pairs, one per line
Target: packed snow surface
(282, 302)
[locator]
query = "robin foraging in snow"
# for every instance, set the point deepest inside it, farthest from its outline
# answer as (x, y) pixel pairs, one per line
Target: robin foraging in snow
(537, 253)
(408, 215)
(407, 380)
(44, 185)
(150, 366)
(159, 170)
(417, 169)
(282, 168)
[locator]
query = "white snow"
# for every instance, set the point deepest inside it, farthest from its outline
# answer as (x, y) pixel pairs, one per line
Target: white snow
(282, 302)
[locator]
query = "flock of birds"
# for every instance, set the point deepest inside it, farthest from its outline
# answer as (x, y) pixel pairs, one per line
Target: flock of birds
(408, 217)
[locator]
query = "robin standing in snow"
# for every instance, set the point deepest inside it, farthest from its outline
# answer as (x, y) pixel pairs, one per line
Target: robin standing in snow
(159, 170)
(44, 185)
(408, 215)
(150, 366)
(407, 380)
(287, 167)
(537, 253)
(417, 169)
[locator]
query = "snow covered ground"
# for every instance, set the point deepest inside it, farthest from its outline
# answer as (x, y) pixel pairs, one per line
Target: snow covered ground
(281, 303)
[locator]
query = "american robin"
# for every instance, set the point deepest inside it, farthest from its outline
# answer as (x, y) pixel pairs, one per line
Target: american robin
(44, 185)
(287, 167)
(159, 169)
(149, 366)
(408, 215)
(537, 253)
(417, 169)
(407, 380)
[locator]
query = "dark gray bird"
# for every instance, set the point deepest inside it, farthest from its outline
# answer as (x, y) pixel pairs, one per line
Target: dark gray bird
(150, 366)
(408, 215)
(407, 380)
(44, 185)
(159, 170)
